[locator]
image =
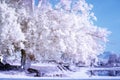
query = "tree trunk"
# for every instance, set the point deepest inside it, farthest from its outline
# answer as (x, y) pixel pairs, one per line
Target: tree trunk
(23, 58)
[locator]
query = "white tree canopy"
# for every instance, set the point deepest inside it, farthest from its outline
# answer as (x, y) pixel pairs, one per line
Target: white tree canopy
(63, 31)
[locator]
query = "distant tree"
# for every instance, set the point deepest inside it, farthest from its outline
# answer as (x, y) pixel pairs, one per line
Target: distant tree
(118, 61)
(118, 65)
(112, 61)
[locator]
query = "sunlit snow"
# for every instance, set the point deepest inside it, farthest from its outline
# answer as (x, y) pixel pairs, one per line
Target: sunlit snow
(64, 33)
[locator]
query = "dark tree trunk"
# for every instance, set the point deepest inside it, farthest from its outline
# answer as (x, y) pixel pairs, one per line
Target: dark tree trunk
(30, 70)
(23, 58)
(7, 67)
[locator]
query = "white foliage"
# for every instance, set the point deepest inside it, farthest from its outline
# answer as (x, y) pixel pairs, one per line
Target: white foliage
(10, 29)
(65, 32)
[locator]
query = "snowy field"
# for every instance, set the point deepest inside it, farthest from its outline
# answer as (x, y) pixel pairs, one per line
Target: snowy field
(21, 76)
(52, 72)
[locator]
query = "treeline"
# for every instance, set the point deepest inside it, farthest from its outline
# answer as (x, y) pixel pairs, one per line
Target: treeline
(112, 60)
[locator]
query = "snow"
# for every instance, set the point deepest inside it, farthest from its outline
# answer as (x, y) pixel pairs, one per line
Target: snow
(9, 74)
(77, 75)
(50, 33)
(52, 73)
(64, 33)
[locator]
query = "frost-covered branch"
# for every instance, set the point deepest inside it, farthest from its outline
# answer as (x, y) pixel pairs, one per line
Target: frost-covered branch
(63, 32)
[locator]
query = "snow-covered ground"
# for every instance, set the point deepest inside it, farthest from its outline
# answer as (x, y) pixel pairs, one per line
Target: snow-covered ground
(78, 74)
(49, 71)
(52, 72)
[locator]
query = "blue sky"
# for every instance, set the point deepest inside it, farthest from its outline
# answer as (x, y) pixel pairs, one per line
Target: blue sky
(108, 15)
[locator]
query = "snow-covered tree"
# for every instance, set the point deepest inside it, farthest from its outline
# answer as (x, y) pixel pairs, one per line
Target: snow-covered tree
(11, 36)
(63, 31)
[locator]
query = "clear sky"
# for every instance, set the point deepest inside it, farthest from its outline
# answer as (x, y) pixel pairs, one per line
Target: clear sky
(108, 15)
